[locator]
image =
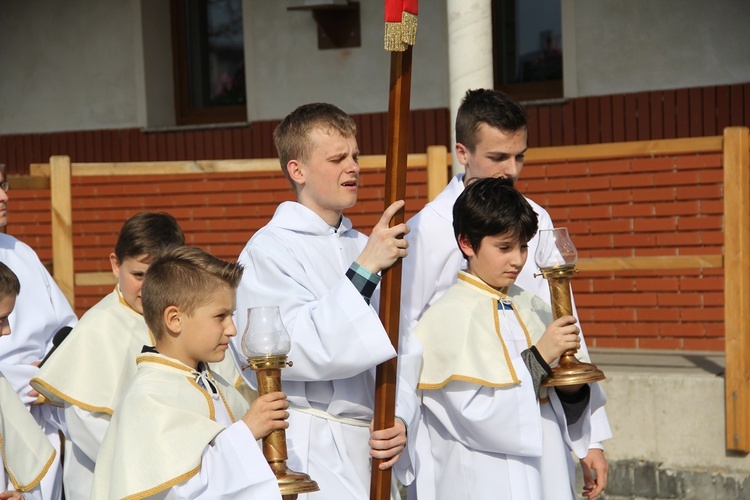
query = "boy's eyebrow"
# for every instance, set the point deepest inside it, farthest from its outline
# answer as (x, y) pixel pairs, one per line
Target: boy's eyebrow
(505, 153)
(341, 155)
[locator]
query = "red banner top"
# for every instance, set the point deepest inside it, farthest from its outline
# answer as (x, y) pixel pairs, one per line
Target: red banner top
(400, 24)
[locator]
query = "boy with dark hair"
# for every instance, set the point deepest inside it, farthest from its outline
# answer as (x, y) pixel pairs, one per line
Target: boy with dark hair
(175, 431)
(88, 372)
(488, 344)
(322, 274)
(26, 452)
(491, 141)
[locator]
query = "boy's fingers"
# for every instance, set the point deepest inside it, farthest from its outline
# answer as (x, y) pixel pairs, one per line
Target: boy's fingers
(388, 433)
(390, 212)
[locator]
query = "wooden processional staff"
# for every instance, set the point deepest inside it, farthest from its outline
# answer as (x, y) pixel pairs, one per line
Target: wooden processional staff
(400, 34)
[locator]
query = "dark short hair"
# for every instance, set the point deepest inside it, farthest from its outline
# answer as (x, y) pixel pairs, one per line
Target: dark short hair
(9, 284)
(487, 106)
(149, 234)
(490, 207)
(185, 277)
(292, 135)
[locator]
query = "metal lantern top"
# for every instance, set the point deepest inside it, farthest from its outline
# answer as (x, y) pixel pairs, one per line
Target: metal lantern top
(555, 249)
(265, 334)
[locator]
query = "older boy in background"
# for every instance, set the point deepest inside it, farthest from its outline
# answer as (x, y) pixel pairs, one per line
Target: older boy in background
(309, 261)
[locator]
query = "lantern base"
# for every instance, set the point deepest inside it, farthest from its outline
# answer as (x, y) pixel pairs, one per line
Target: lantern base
(573, 372)
(291, 482)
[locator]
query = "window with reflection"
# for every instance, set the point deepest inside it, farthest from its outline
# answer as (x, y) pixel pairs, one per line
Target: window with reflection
(527, 43)
(209, 61)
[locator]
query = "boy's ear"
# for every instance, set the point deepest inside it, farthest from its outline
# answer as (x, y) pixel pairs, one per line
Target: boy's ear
(461, 154)
(173, 319)
(295, 171)
(465, 245)
(115, 263)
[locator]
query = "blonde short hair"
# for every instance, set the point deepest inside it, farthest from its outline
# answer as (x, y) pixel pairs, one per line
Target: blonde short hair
(292, 135)
(184, 277)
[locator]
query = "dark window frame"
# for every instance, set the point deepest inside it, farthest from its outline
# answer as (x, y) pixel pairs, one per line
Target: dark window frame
(185, 113)
(503, 40)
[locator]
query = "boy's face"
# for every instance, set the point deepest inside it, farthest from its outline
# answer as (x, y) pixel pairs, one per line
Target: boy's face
(498, 154)
(6, 307)
(204, 335)
(129, 274)
(327, 181)
(497, 261)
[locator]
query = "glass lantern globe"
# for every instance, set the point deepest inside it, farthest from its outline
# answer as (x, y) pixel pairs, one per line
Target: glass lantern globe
(555, 249)
(265, 334)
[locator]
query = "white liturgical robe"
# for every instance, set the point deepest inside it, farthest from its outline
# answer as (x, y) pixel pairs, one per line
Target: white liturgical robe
(41, 310)
(486, 427)
(26, 452)
(298, 262)
(173, 437)
(87, 374)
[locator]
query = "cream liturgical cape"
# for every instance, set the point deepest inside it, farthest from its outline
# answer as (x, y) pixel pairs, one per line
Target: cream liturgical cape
(489, 436)
(158, 434)
(466, 344)
(26, 452)
(87, 375)
(94, 365)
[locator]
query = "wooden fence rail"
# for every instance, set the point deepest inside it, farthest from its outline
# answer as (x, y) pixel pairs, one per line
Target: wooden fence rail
(734, 145)
(59, 170)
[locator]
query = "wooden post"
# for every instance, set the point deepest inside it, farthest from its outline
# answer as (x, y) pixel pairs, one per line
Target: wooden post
(390, 285)
(62, 226)
(437, 170)
(737, 286)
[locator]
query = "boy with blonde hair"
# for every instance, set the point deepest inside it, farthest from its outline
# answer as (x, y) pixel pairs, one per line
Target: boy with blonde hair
(88, 372)
(322, 274)
(176, 432)
(27, 454)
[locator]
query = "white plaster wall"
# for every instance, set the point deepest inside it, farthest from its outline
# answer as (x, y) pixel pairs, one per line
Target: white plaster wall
(634, 45)
(286, 68)
(67, 65)
(82, 64)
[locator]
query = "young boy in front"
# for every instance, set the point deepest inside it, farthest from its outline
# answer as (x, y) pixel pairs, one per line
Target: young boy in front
(321, 273)
(488, 344)
(89, 371)
(27, 454)
(176, 432)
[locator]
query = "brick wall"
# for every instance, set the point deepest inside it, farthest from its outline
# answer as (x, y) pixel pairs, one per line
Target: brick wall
(670, 205)
(218, 212)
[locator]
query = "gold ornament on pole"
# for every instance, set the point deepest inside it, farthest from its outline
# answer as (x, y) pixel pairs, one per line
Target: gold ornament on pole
(556, 257)
(265, 344)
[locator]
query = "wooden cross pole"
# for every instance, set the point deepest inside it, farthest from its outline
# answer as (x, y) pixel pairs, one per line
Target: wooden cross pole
(390, 285)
